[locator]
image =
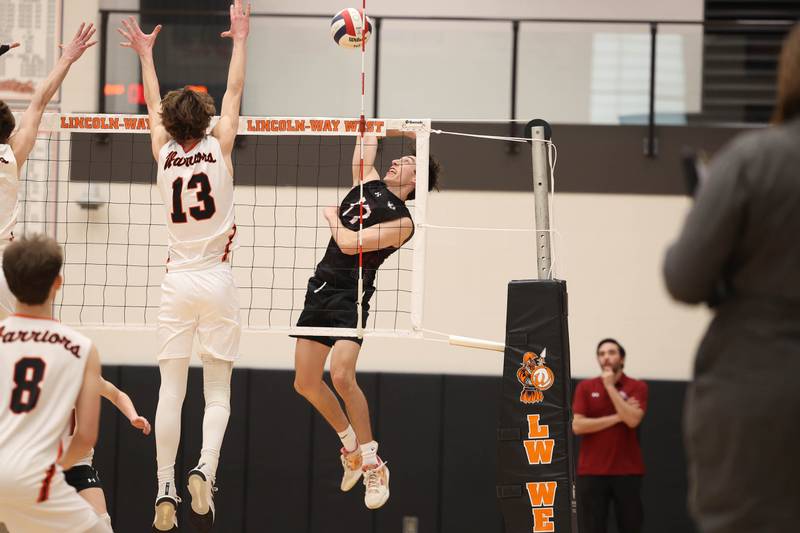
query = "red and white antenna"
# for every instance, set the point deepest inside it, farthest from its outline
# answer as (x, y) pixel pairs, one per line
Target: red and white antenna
(362, 126)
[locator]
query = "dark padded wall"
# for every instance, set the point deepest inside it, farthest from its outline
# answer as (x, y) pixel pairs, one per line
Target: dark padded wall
(135, 480)
(469, 457)
(278, 452)
(280, 466)
(409, 413)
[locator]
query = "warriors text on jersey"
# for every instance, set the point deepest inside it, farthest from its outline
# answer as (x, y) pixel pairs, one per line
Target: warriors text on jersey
(380, 205)
(42, 363)
(9, 191)
(197, 190)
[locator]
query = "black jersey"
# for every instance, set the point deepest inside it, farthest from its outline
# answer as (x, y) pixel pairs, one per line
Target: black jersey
(380, 205)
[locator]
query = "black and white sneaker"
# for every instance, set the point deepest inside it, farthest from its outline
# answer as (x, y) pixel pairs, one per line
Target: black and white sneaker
(167, 501)
(201, 487)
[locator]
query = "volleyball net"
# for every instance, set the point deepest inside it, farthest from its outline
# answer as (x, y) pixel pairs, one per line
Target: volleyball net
(90, 183)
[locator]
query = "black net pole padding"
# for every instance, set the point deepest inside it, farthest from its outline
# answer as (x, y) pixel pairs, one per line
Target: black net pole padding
(548, 130)
(535, 470)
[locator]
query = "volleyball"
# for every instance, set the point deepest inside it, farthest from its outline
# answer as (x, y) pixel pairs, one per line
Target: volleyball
(347, 27)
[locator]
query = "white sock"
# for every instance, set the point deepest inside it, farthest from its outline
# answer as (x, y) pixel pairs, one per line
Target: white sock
(217, 393)
(349, 440)
(369, 453)
(174, 375)
(209, 460)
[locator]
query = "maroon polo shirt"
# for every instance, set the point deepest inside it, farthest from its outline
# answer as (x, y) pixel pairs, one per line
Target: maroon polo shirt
(613, 451)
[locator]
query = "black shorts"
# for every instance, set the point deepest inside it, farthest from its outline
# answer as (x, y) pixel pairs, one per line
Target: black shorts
(329, 306)
(83, 477)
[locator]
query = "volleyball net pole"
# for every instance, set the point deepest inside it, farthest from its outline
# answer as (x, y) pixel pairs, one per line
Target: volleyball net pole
(540, 138)
(539, 132)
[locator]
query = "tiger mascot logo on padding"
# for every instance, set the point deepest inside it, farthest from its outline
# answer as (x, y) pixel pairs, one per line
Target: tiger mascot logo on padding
(535, 377)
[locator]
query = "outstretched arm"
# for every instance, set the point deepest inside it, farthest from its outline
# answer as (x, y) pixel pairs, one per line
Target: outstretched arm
(228, 125)
(392, 234)
(6, 47)
(123, 402)
(23, 140)
(370, 153)
(142, 43)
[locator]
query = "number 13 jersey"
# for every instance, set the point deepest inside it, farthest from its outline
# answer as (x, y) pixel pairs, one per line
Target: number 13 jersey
(197, 190)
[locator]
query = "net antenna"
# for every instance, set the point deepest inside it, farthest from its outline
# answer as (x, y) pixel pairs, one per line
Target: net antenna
(362, 126)
(540, 133)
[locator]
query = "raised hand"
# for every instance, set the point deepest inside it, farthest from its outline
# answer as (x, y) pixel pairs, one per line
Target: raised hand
(240, 22)
(73, 50)
(6, 47)
(142, 43)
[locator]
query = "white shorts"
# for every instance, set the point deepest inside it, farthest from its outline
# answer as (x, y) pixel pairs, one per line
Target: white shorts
(202, 301)
(8, 302)
(63, 510)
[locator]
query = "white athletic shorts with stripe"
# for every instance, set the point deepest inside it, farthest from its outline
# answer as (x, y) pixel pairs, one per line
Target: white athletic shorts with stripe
(28, 506)
(205, 302)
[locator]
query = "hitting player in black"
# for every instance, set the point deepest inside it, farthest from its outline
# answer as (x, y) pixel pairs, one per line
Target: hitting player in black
(332, 301)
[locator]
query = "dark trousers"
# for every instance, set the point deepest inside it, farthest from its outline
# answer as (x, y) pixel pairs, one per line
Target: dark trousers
(597, 493)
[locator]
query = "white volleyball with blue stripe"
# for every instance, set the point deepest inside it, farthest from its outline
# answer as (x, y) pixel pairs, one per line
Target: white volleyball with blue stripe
(347, 27)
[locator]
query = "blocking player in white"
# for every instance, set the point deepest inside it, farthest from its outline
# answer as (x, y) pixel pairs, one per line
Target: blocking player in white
(46, 370)
(83, 476)
(16, 146)
(199, 296)
(331, 301)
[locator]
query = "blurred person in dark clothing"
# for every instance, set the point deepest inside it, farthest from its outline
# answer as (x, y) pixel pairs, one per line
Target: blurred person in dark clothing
(739, 251)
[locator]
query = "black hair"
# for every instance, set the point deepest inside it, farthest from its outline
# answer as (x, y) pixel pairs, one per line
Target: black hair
(615, 341)
(434, 169)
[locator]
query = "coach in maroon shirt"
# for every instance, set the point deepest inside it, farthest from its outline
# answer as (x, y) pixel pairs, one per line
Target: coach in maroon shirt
(606, 412)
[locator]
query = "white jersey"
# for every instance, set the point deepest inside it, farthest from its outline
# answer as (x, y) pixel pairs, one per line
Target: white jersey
(197, 191)
(9, 194)
(42, 363)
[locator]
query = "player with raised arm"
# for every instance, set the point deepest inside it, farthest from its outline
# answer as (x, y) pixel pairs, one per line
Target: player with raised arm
(16, 146)
(332, 300)
(198, 294)
(83, 476)
(47, 370)
(6, 47)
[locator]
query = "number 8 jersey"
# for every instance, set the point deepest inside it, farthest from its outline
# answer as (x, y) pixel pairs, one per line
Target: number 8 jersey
(197, 190)
(42, 363)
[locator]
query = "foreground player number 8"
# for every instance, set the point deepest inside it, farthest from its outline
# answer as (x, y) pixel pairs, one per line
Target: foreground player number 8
(203, 195)
(28, 374)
